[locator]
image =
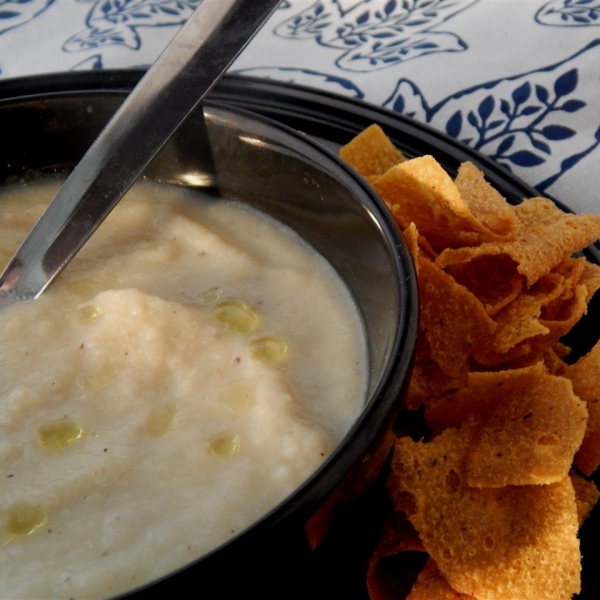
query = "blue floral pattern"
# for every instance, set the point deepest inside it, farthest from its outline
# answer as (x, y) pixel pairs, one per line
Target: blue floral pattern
(92, 63)
(444, 62)
(377, 36)
(117, 21)
(14, 13)
(521, 122)
(570, 13)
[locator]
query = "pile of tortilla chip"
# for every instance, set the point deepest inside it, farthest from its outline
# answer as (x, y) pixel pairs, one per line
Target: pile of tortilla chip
(492, 500)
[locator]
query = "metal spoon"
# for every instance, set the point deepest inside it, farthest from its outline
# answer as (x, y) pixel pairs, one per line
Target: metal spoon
(191, 64)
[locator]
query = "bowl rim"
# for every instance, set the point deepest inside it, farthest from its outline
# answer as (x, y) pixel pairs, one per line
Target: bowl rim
(384, 403)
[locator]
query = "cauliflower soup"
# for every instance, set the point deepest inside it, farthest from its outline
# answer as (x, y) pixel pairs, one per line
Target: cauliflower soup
(191, 367)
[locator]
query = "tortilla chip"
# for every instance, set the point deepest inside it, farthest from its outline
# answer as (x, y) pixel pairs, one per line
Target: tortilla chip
(411, 237)
(473, 401)
(429, 384)
(417, 244)
(420, 191)
(537, 211)
(572, 270)
(553, 358)
(486, 203)
(492, 279)
(585, 376)
(590, 277)
(586, 496)
(531, 432)
(565, 315)
(398, 535)
(539, 248)
(520, 319)
(432, 585)
(529, 426)
(371, 153)
(396, 560)
(354, 485)
(514, 542)
(524, 354)
(451, 318)
(491, 496)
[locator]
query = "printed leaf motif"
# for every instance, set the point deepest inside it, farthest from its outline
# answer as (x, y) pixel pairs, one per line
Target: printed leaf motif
(539, 145)
(506, 144)
(389, 8)
(309, 23)
(116, 21)
(472, 119)
(570, 13)
(96, 38)
(524, 158)
(557, 132)
(566, 83)
(572, 106)
(93, 63)
(408, 100)
(377, 37)
(486, 107)
(522, 93)
(542, 93)
(523, 122)
(496, 123)
(454, 124)
(14, 13)
(362, 19)
(381, 54)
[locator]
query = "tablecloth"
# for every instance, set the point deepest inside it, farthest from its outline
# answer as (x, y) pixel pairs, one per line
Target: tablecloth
(517, 80)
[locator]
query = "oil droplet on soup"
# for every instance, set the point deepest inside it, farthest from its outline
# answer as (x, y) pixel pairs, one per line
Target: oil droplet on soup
(24, 519)
(96, 380)
(157, 398)
(236, 316)
(238, 399)
(88, 287)
(210, 296)
(89, 313)
(59, 433)
(160, 420)
(224, 443)
(269, 350)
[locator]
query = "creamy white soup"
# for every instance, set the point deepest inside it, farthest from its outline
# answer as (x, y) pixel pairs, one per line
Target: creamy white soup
(187, 371)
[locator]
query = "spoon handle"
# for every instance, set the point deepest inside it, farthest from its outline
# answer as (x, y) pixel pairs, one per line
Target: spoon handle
(191, 64)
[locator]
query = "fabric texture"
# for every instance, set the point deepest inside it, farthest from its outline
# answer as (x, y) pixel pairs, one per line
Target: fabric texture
(517, 80)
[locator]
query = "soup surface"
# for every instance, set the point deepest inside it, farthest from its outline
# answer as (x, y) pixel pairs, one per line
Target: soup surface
(187, 371)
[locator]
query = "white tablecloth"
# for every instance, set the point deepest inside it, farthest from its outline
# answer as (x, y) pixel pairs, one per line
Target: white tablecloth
(518, 80)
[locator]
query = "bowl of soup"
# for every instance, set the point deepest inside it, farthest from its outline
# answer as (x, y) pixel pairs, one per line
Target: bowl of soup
(211, 369)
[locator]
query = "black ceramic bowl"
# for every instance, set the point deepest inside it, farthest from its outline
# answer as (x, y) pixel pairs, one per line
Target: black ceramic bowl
(273, 559)
(228, 152)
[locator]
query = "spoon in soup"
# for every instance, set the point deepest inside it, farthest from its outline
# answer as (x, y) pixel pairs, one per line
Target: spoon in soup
(196, 58)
